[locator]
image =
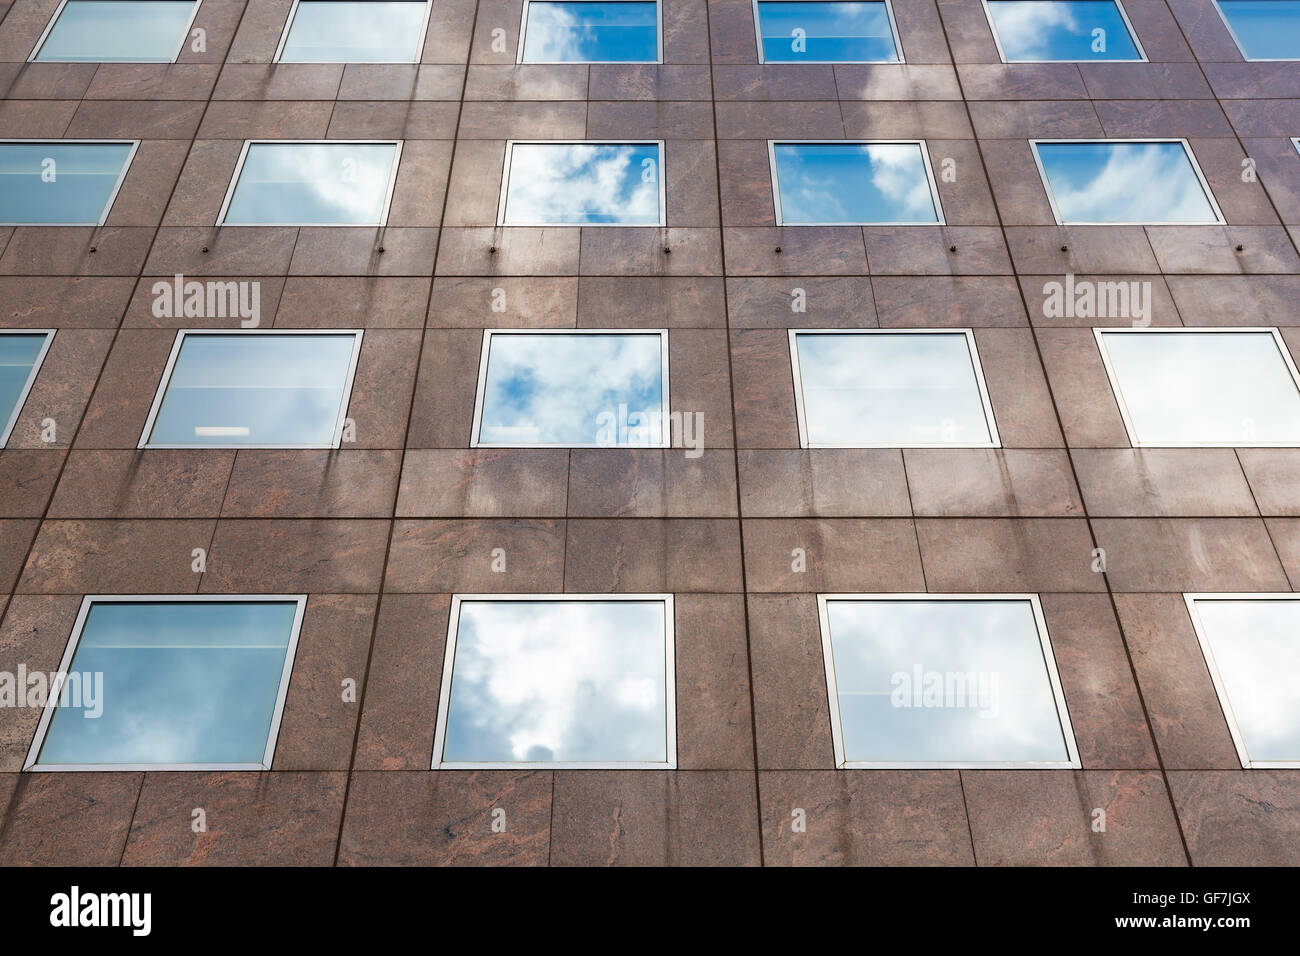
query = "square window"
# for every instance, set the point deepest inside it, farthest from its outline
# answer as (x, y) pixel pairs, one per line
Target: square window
(539, 389)
(558, 681)
(60, 183)
(1263, 29)
(1251, 644)
(21, 355)
(1062, 31)
(871, 389)
(1184, 388)
(934, 681)
(818, 31)
(254, 390)
(590, 31)
(116, 31)
(354, 31)
(853, 184)
(582, 184)
(280, 183)
(1140, 182)
(159, 683)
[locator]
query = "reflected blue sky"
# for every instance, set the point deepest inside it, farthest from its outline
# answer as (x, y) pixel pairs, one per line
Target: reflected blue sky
(1124, 182)
(118, 30)
(896, 390)
(18, 353)
(879, 647)
(76, 189)
(1200, 387)
(1256, 648)
(1033, 30)
(313, 184)
(578, 184)
(183, 683)
(831, 32)
(853, 183)
(591, 32)
(562, 681)
(556, 389)
(369, 31)
(1265, 29)
(255, 390)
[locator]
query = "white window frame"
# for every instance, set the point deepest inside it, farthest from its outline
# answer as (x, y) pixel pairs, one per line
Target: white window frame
(893, 27)
(112, 196)
(772, 144)
(1242, 49)
(1049, 661)
(7, 427)
(1091, 141)
(1203, 638)
(239, 171)
(51, 703)
(670, 685)
(1295, 141)
(505, 184)
(659, 38)
(971, 346)
(293, 12)
(1119, 4)
(165, 382)
(1100, 335)
(481, 390)
(49, 28)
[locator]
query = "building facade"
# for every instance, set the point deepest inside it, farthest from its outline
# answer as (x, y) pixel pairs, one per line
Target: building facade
(1090, 490)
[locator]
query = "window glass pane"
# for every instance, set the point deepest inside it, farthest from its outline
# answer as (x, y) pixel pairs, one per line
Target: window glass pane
(826, 32)
(59, 183)
(1256, 650)
(183, 682)
(335, 31)
(558, 681)
(130, 31)
(894, 390)
(942, 681)
(255, 390)
(591, 32)
(853, 183)
(1264, 29)
(548, 389)
(1124, 182)
(313, 184)
(572, 184)
(1192, 388)
(1036, 30)
(18, 355)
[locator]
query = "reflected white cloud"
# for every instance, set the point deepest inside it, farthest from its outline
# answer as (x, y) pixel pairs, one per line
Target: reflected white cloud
(890, 389)
(577, 184)
(1194, 388)
(873, 642)
(313, 184)
(558, 681)
(1256, 649)
(1124, 182)
(591, 32)
(573, 389)
(853, 183)
(345, 31)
